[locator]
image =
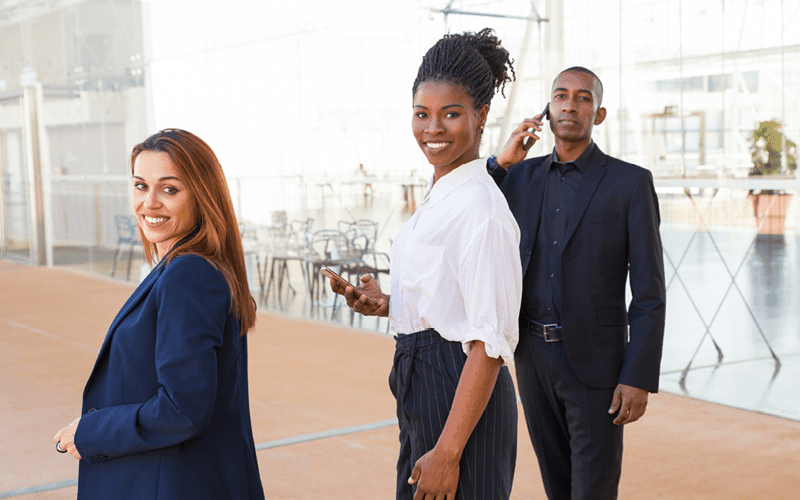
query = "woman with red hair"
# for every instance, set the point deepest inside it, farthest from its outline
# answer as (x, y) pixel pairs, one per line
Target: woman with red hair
(166, 409)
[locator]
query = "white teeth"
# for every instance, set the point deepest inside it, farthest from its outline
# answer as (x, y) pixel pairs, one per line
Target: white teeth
(436, 145)
(154, 220)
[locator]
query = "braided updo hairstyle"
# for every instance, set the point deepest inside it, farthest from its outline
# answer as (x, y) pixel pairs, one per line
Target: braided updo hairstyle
(475, 61)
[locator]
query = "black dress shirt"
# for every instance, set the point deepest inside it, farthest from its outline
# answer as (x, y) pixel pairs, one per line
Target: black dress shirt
(541, 290)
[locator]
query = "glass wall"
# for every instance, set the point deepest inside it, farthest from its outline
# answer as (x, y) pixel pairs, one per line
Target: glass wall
(704, 94)
(81, 64)
(307, 105)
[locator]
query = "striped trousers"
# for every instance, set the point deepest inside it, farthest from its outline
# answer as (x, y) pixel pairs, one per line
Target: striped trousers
(424, 377)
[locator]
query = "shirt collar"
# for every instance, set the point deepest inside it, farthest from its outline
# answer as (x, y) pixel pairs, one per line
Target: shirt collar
(453, 179)
(579, 162)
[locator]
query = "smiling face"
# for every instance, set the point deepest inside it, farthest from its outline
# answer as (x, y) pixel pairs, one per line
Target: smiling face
(446, 125)
(575, 107)
(164, 208)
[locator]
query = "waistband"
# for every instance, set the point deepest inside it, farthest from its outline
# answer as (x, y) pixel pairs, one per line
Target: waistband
(410, 341)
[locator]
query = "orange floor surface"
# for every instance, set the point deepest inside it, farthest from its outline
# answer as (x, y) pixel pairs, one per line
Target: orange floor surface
(310, 377)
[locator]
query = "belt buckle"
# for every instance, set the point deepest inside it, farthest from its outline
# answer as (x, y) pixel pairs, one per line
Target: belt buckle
(545, 333)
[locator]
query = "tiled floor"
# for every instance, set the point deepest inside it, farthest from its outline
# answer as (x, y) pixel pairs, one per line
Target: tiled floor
(314, 378)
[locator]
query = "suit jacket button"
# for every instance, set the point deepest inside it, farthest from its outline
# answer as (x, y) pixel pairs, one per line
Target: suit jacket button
(102, 456)
(528, 251)
(91, 410)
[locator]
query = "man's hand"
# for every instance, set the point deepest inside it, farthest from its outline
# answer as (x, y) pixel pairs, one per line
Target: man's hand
(437, 476)
(369, 288)
(521, 140)
(631, 403)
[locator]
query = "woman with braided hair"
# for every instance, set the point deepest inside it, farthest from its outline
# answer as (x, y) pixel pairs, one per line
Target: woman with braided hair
(456, 289)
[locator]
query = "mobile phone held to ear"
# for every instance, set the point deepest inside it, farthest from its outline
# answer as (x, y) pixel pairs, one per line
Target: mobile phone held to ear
(545, 115)
(358, 293)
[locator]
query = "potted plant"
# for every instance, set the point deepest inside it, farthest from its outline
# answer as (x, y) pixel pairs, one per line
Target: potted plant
(770, 205)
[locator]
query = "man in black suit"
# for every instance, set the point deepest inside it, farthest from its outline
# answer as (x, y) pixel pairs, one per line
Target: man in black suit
(585, 363)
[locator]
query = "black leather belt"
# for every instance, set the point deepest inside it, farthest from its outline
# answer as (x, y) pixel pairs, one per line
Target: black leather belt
(550, 333)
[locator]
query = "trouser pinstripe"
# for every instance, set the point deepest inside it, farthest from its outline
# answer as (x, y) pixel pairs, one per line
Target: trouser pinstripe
(423, 380)
(578, 447)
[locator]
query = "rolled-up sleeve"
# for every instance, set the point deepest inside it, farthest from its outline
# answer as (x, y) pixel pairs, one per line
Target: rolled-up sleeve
(491, 286)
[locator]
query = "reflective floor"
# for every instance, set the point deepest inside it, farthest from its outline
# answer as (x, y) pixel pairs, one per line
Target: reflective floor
(733, 312)
(733, 303)
(733, 319)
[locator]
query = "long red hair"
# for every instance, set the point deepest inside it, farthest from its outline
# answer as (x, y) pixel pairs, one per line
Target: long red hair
(217, 236)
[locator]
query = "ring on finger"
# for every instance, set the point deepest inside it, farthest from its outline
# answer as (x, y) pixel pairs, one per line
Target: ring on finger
(59, 448)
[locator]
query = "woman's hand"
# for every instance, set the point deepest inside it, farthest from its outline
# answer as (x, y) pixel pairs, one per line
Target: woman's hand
(369, 288)
(437, 475)
(66, 437)
(521, 140)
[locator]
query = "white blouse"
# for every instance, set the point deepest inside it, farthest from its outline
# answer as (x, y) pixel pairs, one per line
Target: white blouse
(456, 266)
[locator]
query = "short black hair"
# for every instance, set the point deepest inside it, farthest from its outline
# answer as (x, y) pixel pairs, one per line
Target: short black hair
(598, 83)
(475, 61)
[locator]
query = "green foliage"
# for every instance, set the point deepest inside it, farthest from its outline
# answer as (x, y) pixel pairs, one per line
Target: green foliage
(767, 147)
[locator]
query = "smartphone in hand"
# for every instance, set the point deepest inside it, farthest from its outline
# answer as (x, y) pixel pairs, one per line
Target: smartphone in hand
(545, 114)
(358, 293)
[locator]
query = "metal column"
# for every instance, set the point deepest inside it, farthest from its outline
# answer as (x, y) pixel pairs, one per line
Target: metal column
(3, 211)
(32, 103)
(554, 39)
(534, 22)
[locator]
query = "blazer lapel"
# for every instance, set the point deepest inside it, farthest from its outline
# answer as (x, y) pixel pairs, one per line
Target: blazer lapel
(138, 295)
(595, 170)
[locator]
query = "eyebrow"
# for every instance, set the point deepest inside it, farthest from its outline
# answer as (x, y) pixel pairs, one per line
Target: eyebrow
(579, 90)
(443, 107)
(167, 178)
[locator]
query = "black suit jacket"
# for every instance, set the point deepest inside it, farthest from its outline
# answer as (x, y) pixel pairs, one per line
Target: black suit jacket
(613, 230)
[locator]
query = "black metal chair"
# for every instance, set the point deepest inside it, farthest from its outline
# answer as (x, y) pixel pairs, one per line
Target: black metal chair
(286, 243)
(358, 256)
(279, 223)
(374, 263)
(364, 227)
(126, 235)
(335, 249)
(254, 238)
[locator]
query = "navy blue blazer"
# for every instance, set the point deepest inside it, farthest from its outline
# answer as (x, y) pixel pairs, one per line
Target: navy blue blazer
(613, 230)
(166, 410)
